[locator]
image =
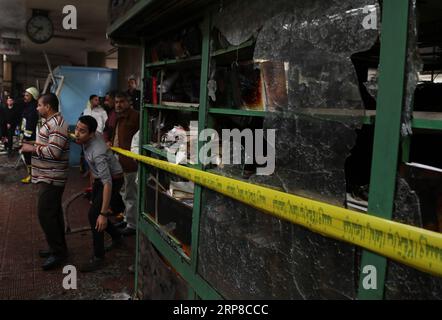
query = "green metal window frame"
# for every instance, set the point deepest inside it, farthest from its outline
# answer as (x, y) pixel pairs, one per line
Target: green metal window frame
(385, 149)
(186, 267)
(390, 100)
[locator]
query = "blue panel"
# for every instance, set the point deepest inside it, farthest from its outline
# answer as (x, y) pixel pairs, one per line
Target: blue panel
(79, 83)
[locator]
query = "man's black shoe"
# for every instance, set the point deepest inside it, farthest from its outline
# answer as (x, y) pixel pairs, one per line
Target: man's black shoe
(93, 265)
(116, 244)
(44, 253)
(121, 224)
(53, 262)
(128, 232)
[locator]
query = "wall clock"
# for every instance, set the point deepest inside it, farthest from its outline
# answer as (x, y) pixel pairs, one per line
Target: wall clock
(40, 28)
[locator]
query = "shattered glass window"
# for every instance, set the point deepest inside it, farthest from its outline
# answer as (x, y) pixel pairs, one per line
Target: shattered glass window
(319, 67)
(313, 99)
(401, 281)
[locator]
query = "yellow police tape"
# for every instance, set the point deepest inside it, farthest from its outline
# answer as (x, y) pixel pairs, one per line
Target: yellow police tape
(416, 247)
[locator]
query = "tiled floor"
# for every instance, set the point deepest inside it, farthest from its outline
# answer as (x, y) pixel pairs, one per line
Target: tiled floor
(21, 276)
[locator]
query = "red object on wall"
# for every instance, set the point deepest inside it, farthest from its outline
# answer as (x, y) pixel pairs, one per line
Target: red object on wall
(154, 91)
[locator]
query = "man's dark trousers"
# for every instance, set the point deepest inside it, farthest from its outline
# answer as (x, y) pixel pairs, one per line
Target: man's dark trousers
(117, 205)
(50, 214)
(10, 136)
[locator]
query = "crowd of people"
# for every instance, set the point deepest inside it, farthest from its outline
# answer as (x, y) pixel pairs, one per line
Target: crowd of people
(44, 140)
(19, 118)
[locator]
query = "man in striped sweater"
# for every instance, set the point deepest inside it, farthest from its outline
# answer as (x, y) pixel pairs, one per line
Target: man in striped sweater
(50, 163)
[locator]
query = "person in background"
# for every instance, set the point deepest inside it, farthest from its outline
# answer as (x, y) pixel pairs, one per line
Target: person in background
(96, 111)
(128, 123)
(2, 130)
(108, 179)
(111, 122)
(50, 165)
(134, 93)
(93, 109)
(109, 129)
(135, 144)
(4, 96)
(11, 120)
(29, 124)
(134, 148)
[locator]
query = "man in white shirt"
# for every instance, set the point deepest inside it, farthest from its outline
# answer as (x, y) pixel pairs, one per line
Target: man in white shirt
(97, 112)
